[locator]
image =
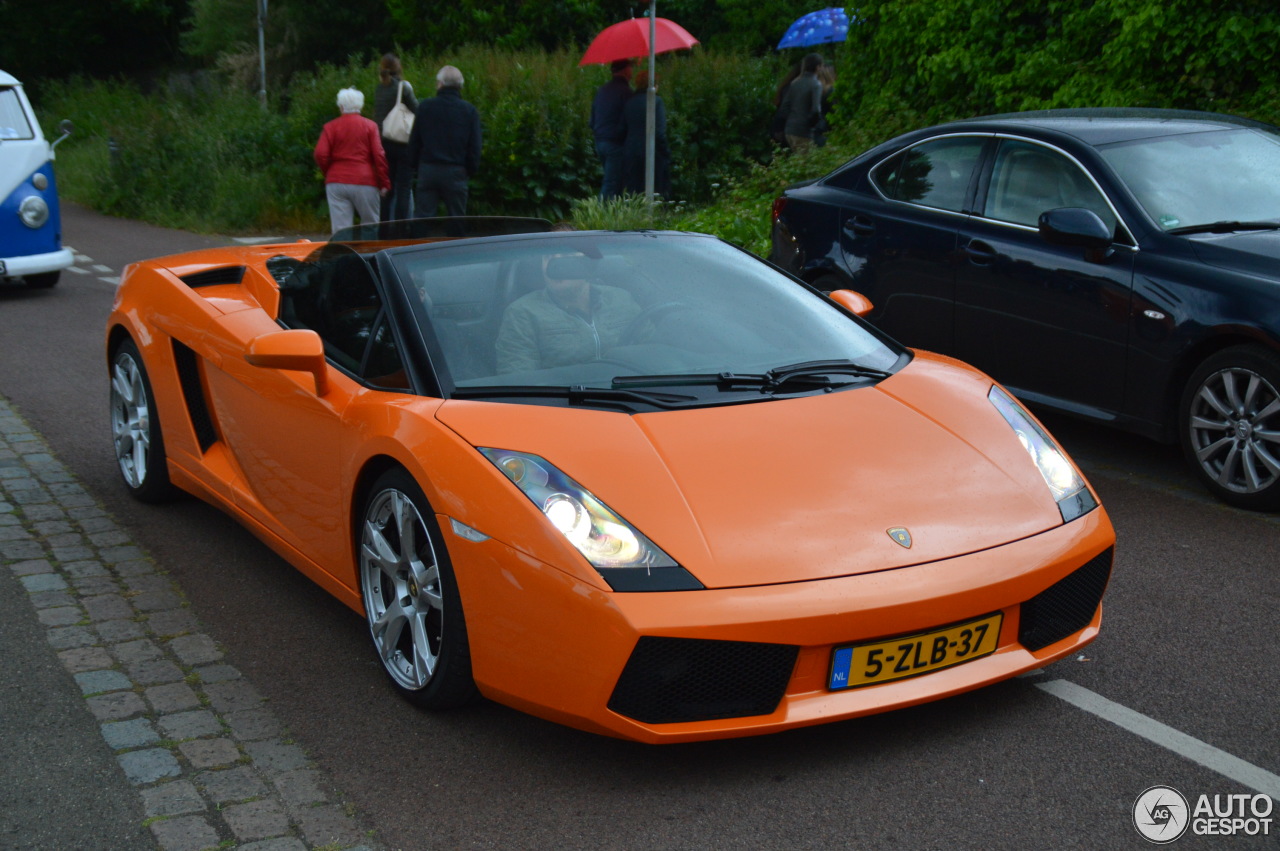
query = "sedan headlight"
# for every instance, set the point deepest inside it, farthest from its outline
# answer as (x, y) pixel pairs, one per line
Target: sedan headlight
(617, 550)
(1068, 489)
(33, 211)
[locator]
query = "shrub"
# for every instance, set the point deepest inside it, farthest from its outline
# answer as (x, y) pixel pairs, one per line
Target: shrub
(191, 154)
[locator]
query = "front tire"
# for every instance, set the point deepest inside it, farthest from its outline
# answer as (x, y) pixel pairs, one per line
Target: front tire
(42, 281)
(135, 428)
(411, 600)
(1229, 424)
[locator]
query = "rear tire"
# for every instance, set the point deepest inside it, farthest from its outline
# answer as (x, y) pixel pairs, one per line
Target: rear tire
(135, 428)
(1229, 426)
(411, 600)
(42, 281)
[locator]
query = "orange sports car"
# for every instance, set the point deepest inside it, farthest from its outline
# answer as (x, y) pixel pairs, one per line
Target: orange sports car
(643, 483)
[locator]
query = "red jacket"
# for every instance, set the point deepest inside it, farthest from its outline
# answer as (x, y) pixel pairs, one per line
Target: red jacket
(350, 151)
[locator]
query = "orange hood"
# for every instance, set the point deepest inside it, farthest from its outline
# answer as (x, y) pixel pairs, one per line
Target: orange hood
(796, 489)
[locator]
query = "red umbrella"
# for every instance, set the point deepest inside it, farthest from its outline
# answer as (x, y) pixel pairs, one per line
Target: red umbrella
(631, 38)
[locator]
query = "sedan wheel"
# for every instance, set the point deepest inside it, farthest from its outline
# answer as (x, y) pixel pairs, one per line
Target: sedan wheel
(135, 429)
(1231, 426)
(410, 599)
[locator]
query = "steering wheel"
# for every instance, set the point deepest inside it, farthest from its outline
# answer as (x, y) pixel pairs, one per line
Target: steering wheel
(649, 314)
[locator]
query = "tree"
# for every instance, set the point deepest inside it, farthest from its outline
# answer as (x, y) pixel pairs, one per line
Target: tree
(56, 39)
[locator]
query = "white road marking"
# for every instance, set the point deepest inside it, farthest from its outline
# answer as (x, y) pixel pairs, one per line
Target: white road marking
(77, 270)
(102, 270)
(1244, 773)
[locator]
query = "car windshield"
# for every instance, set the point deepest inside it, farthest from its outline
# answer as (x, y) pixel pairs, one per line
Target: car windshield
(622, 311)
(1197, 179)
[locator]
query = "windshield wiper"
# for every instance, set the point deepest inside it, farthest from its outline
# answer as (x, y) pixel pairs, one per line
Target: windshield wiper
(575, 394)
(1224, 227)
(807, 375)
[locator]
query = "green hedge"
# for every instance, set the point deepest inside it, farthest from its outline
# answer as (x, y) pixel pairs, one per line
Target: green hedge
(916, 62)
(195, 156)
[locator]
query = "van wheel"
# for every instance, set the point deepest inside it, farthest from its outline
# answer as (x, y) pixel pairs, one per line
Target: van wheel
(42, 281)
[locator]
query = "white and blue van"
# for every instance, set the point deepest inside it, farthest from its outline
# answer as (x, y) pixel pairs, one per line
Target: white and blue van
(30, 221)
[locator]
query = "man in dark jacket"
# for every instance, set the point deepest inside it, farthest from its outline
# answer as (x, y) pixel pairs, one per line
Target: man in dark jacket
(444, 147)
(608, 129)
(802, 105)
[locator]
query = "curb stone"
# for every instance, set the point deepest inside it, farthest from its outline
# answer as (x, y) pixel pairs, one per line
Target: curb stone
(211, 764)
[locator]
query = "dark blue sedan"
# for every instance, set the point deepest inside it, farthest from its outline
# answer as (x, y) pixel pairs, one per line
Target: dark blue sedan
(1117, 265)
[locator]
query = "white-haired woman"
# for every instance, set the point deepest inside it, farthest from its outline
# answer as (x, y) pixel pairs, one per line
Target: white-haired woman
(354, 165)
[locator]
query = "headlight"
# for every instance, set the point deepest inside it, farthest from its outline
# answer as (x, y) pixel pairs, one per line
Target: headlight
(33, 211)
(624, 557)
(1068, 489)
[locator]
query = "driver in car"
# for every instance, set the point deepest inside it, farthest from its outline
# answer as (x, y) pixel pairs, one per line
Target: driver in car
(570, 320)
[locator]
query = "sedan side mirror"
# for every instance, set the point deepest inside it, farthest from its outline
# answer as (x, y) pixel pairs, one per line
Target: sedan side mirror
(300, 350)
(854, 302)
(1075, 226)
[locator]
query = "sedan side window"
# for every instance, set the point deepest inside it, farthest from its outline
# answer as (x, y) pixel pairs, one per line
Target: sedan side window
(1030, 179)
(932, 174)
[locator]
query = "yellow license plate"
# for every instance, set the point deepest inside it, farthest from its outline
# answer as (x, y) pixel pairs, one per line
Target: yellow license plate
(911, 655)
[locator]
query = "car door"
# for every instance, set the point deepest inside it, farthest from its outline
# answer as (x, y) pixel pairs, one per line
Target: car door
(289, 441)
(1050, 321)
(903, 241)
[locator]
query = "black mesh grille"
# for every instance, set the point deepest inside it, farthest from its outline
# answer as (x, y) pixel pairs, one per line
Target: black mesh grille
(684, 679)
(193, 394)
(214, 277)
(1066, 606)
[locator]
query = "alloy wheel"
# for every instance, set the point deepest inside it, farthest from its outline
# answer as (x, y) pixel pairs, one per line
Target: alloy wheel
(130, 420)
(400, 577)
(1234, 430)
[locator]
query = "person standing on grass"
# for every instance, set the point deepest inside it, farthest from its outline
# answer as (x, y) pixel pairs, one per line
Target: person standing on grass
(635, 118)
(354, 165)
(444, 147)
(802, 105)
(608, 129)
(391, 86)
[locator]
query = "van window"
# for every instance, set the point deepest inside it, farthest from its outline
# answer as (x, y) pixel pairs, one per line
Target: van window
(13, 119)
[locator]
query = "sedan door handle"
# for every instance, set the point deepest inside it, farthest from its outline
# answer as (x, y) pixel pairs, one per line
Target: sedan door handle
(980, 253)
(859, 226)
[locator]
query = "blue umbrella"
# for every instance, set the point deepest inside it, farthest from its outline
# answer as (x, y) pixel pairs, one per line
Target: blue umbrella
(823, 27)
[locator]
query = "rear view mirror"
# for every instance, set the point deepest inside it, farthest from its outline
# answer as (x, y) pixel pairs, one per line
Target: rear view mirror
(854, 302)
(300, 350)
(1075, 226)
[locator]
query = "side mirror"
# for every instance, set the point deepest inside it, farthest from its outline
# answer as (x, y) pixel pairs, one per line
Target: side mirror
(854, 302)
(300, 350)
(1075, 226)
(64, 127)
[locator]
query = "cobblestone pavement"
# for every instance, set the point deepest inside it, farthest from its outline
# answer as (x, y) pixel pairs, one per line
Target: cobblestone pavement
(212, 765)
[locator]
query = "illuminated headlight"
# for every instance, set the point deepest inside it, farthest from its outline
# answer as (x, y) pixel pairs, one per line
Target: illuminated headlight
(624, 557)
(33, 211)
(1068, 489)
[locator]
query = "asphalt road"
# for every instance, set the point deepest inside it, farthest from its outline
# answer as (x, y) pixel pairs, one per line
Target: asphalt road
(1189, 644)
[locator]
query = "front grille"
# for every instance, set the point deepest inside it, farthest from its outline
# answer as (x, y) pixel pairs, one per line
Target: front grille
(1066, 606)
(668, 680)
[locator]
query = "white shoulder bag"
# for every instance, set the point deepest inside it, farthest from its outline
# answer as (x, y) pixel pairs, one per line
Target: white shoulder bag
(399, 121)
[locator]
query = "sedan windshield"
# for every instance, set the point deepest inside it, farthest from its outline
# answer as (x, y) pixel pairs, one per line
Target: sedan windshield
(1193, 181)
(663, 318)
